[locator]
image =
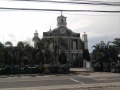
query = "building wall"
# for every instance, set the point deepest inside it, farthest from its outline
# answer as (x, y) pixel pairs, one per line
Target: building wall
(74, 50)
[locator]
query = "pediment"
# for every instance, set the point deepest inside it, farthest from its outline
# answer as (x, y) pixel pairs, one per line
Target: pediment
(62, 31)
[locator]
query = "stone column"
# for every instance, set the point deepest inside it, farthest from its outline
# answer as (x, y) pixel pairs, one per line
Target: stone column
(78, 47)
(70, 54)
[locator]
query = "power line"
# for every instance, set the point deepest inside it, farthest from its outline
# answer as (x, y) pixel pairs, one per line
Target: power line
(81, 2)
(64, 10)
(90, 14)
(94, 1)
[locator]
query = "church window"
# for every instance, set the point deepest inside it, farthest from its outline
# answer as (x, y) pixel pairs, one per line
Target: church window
(51, 46)
(61, 20)
(74, 45)
(74, 57)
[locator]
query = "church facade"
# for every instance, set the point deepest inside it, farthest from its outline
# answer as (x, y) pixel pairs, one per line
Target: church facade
(68, 41)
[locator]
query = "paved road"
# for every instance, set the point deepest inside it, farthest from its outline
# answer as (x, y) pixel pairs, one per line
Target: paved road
(106, 88)
(52, 80)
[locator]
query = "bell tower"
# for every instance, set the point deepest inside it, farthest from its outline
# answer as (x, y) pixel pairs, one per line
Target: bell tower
(61, 21)
(35, 38)
(85, 40)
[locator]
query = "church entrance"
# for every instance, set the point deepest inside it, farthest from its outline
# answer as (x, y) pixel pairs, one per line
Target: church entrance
(63, 58)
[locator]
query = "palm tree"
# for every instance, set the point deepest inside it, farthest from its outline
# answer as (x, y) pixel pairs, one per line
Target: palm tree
(104, 53)
(39, 58)
(20, 52)
(20, 44)
(8, 44)
(116, 42)
(47, 52)
(62, 43)
(9, 56)
(38, 52)
(28, 50)
(56, 49)
(98, 51)
(1, 45)
(59, 45)
(8, 52)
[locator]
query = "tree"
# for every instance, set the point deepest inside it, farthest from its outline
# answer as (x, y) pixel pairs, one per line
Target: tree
(39, 58)
(20, 52)
(47, 53)
(8, 44)
(8, 53)
(60, 45)
(101, 51)
(116, 42)
(28, 51)
(1, 45)
(20, 44)
(1, 53)
(104, 53)
(38, 53)
(56, 49)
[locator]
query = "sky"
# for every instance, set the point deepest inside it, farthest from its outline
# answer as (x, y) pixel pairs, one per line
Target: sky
(20, 25)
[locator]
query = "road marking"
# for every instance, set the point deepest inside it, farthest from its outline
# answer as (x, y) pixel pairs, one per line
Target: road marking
(74, 80)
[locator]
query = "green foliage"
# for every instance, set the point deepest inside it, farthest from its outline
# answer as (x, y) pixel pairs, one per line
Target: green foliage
(1, 53)
(105, 53)
(20, 44)
(1, 46)
(116, 42)
(24, 55)
(39, 58)
(8, 43)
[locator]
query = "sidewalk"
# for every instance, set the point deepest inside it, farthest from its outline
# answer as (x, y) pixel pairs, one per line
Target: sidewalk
(86, 73)
(78, 69)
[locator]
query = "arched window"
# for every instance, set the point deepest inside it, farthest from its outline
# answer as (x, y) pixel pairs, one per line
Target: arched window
(74, 44)
(61, 20)
(74, 57)
(51, 46)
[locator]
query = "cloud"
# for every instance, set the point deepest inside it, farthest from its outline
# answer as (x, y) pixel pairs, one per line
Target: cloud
(84, 23)
(103, 28)
(97, 39)
(29, 40)
(11, 35)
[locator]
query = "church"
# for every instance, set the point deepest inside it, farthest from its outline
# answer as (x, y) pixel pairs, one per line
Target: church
(69, 41)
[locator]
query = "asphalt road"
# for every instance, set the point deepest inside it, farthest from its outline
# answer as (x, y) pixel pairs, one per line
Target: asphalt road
(51, 80)
(106, 88)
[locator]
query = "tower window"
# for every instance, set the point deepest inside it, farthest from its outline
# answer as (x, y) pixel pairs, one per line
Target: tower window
(61, 20)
